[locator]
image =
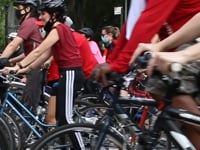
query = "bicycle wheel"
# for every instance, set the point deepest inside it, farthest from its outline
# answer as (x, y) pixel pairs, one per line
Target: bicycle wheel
(6, 136)
(90, 134)
(14, 125)
(90, 98)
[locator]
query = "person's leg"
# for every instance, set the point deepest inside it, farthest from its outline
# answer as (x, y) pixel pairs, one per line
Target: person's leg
(32, 91)
(51, 112)
(70, 82)
(188, 103)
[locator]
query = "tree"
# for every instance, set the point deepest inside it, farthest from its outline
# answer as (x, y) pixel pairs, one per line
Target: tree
(94, 13)
(90, 13)
(4, 7)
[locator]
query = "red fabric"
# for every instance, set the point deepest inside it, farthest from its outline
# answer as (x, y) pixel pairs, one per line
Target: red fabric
(29, 32)
(157, 12)
(105, 52)
(39, 23)
(53, 72)
(89, 61)
(66, 51)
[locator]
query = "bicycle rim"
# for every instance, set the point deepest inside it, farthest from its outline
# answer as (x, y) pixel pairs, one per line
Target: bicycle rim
(89, 134)
(6, 137)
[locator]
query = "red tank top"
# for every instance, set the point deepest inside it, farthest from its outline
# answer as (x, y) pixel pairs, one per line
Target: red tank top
(65, 51)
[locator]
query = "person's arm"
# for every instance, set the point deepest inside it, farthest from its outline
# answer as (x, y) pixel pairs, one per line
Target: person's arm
(46, 45)
(149, 23)
(13, 60)
(12, 47)
(162, 60)
(37, 63)
(189, 54)
(188, 32)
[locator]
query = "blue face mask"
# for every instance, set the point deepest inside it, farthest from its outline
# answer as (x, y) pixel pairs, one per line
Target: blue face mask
(104, 39)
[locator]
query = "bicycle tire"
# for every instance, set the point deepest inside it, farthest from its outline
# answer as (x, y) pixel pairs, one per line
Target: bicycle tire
(19, 128)
(15, 127)
(7, 141)
(89, 133)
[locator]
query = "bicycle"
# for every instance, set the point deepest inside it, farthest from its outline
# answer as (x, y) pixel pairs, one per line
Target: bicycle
(19, 117)
(7, 141)
(106, 135)
(117, 133)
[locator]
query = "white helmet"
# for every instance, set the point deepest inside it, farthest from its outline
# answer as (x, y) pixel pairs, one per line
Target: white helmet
(68, 21)
(12, 35)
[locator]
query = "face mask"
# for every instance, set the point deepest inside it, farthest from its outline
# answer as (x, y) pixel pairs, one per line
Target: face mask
(48, 26)
(104, 39)
(18, 14)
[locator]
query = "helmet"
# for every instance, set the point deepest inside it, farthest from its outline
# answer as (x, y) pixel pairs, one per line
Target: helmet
(68, 21)
(26, 2)
(12, 35)
(87, 31)
(51, 4)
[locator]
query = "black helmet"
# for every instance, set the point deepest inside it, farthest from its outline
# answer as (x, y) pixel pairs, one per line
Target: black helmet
(51, 5)
(26, 2)
(87, 31)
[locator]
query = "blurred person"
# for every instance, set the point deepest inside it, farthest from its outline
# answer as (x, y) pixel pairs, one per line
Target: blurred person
(187, 95)
(146, 19)
(89, 33)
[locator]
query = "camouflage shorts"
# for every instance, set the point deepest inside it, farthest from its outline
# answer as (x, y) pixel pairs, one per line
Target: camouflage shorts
(189, 82)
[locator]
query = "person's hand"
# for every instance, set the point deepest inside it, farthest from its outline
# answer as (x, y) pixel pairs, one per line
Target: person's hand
(8, 70)
(100, 72)
(142, 47)
(46, 65)
(24, 70)
(163, 60)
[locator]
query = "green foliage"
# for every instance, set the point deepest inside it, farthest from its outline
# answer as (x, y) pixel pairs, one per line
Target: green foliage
(90, 13)
(95, 13)
(4, 4)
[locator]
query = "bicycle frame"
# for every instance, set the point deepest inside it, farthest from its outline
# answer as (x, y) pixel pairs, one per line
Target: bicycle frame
(167, 117)
(115, 108)
(11, 100)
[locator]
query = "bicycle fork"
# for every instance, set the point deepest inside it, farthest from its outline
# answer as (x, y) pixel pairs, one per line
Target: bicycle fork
(102, 134)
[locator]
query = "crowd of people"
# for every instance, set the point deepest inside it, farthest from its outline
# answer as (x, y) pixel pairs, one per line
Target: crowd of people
(73, 56)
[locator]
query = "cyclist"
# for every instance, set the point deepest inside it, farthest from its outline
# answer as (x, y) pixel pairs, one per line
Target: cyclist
(109, 36)
(88, 63)
(146, 19)
(89, 33)
(29, 36)
(188, 95)
(60, 43)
